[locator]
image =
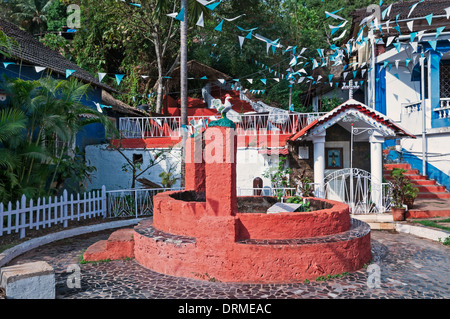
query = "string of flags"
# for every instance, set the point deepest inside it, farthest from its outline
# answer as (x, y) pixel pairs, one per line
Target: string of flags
(300, 67)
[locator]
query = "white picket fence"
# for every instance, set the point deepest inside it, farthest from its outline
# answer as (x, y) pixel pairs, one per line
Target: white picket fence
(48, 211)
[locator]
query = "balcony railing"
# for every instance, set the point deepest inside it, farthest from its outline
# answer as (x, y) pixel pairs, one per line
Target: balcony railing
(247, 124)
(444, 109)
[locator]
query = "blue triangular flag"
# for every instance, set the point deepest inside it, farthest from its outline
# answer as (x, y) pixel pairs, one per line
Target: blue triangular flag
(5, 64)
(413, 36)
(180, 16)
(407, 61)
(69, 73)
(219, 26)
(433, 44)
(204, 78)
(429, 18)
(119, 78)
(439, 31)
(264, 81)
(398, 46)
(212, 6)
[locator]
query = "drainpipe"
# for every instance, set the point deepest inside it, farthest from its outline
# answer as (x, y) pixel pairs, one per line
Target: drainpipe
(424, 128)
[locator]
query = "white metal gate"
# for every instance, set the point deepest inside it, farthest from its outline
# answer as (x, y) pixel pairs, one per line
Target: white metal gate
(356, 188)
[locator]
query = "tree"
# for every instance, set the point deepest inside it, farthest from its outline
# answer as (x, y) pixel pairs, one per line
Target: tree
(32, 14)
(137, 166)
(37, 155)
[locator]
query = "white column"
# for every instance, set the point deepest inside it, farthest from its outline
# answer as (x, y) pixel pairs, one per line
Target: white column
(376, 163)
(319, 165)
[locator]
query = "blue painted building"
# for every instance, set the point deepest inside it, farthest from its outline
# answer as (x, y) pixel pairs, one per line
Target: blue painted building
(402, 40)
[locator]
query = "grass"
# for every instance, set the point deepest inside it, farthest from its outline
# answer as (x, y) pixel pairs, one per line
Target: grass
(434, 223)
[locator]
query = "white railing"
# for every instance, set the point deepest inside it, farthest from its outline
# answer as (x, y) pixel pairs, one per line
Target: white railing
(132, 202)
(412, 107)
(444, 109)
(247, 124)
(48, 211)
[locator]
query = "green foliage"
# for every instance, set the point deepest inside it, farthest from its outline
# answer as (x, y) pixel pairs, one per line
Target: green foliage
(402, 188)
(329, 104)
(38, 125)
(305, 205)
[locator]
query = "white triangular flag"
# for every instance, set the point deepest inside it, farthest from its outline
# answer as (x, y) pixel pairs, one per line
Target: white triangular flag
(413, 7)
(415, 46)
(232, 19)
(410, 25)
(200, 21)
(39, 68)
(420, 34)
(173, 15)
(447, 11)
(241, 40)
(250, 80)
(396, 63)
(221, 81)
(101, 76)
(389, 41)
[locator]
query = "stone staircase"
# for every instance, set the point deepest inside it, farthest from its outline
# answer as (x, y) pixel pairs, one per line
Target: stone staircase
(433, 200)
(428, 189)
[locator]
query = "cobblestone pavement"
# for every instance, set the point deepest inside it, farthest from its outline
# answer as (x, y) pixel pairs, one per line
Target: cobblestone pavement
(410, 268)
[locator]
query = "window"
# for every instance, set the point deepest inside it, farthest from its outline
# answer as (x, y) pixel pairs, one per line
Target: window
(445, 79)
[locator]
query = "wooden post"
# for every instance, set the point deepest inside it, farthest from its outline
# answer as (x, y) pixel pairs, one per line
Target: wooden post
(65, 202)
(23, 209)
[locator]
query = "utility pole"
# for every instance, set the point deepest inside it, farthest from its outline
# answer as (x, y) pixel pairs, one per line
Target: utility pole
(183, 86)
(183, 63)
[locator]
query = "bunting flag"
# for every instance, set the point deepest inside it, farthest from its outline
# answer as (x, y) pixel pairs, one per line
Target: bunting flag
(39, 69)
(386, 12)
(410, 25)
(101, 76)
(241, 41)
(232, 19)
(433, 44)
(219, 26)
(212, 6)
(201, 22)
(6, 64)
(447, 11)
(69, 73)
(119, 78)
(439, 31)
(429, 18)
(180, 16)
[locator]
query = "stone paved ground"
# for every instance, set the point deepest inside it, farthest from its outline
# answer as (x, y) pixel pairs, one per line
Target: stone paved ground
(410, 268)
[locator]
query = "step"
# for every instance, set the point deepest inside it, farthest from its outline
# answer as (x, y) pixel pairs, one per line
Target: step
(427, 182)
(431, 189)
(408, 172)
(120, 245)
(410, 177)
(442, 195)
(392, 166)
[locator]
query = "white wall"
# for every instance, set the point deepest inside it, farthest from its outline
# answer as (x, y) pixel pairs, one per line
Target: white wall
(400, 90)
(109, 166)
(438, 149)
(250, 164)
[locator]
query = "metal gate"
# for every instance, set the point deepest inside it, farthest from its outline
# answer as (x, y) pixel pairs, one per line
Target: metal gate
(356, 188)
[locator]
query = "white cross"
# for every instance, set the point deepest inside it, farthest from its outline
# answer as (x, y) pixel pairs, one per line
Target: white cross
(350, 87)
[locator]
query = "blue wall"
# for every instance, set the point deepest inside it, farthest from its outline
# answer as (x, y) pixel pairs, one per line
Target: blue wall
(92, 133)
(380, 89)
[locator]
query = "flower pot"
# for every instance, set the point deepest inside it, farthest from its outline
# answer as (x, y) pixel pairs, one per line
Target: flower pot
(398, 214)
(409, 202)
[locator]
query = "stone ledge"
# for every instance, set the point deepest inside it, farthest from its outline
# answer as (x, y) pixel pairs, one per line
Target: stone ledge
(11, 253)
(422, 231)
(358, 229)
(35, 280)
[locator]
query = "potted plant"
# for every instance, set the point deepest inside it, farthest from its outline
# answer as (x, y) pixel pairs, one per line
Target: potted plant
(410, 195)
(399, 185)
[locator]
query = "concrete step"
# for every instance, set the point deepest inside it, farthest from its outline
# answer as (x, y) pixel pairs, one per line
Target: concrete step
(431, 188)
(402, 166)
(120, 245)
(408, 172)
(410, 177)
(426, 195)
(427, 182)
(377, 221)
